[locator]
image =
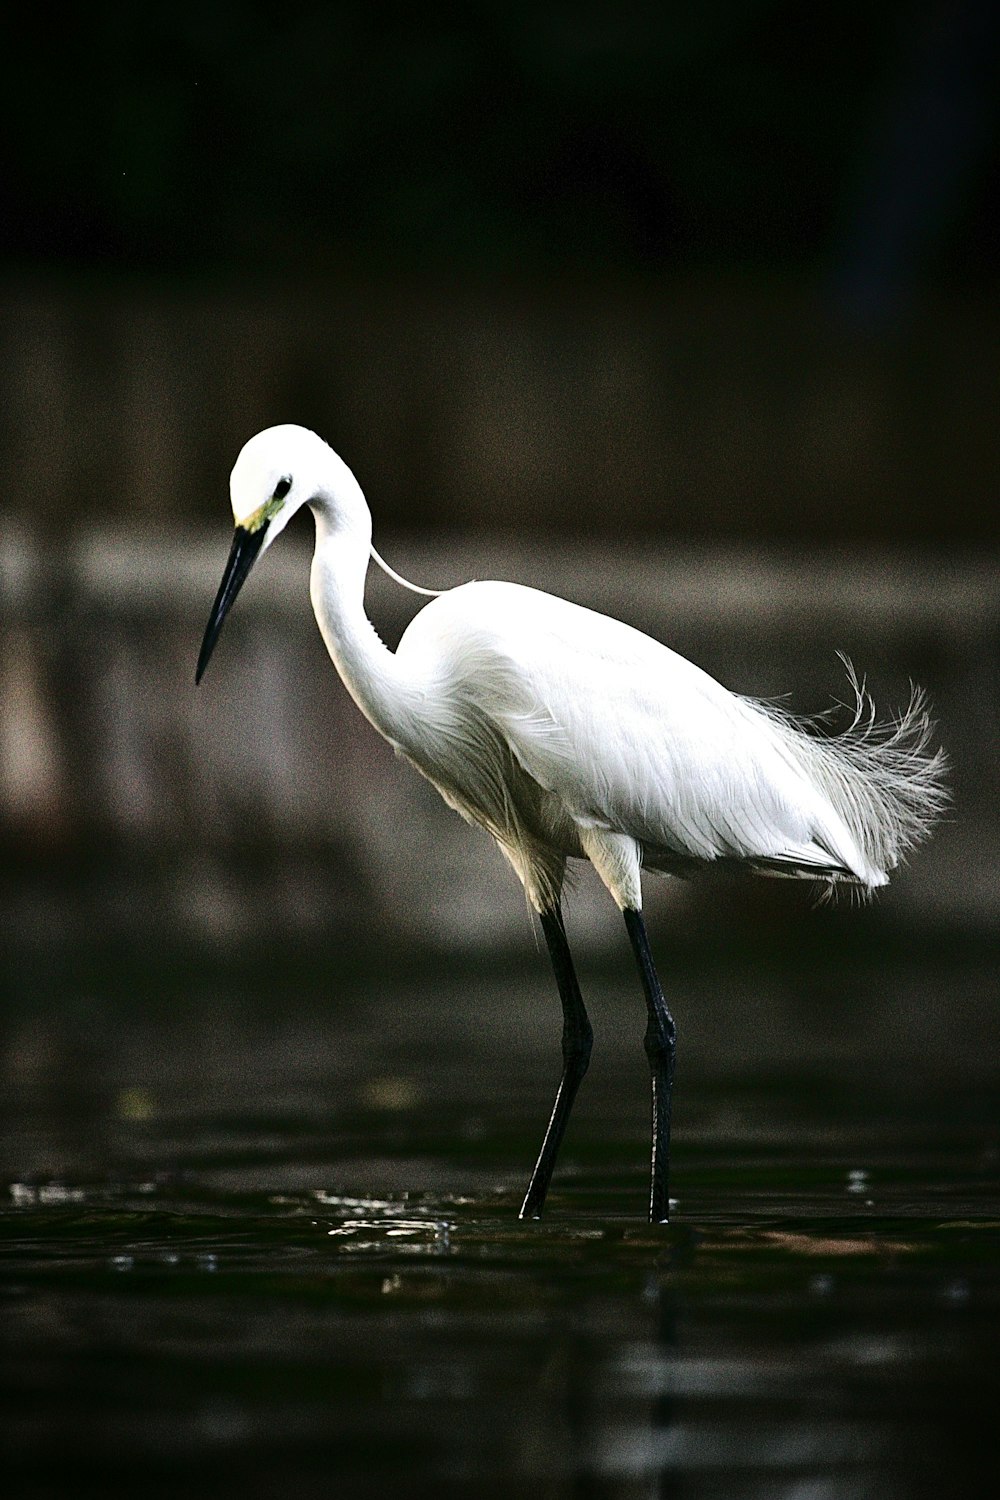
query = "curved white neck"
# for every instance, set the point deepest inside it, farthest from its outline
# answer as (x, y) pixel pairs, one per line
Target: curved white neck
(369, 670)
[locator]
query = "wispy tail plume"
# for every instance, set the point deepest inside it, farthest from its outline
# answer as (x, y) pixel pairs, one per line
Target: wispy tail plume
(885, 780)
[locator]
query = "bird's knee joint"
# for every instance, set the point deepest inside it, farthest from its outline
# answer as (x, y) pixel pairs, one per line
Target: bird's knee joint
(661, 1044)
(576, 1049)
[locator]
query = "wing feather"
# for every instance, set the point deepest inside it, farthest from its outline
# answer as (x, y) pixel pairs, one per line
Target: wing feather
(633, 738)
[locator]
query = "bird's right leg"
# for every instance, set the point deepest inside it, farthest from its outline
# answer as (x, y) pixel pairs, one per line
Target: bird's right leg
(616, 859)
(661, 1050)
(577, 1040)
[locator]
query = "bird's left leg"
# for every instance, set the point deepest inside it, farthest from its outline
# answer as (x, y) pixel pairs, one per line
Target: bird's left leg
(577, 1040)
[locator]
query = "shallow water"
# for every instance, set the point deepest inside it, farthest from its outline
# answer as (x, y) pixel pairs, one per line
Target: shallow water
(260, 1237)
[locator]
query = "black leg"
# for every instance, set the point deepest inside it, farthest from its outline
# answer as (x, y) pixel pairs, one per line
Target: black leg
(577, 1040)
(661, 1048)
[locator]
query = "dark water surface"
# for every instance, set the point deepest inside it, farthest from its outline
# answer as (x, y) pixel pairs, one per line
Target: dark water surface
(260, 1238)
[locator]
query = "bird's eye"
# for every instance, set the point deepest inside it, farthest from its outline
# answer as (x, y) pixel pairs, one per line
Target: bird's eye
(282, 487)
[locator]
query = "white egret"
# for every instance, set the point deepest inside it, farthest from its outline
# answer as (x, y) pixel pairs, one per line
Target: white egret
(567, 734)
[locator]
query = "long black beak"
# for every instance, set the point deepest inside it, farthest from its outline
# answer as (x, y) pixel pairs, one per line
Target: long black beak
(242, 556)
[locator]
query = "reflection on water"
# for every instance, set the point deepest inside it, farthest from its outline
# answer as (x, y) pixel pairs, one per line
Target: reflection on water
(267, 1245)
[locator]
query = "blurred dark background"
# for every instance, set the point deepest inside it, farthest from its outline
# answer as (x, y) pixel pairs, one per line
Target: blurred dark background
(689, 312)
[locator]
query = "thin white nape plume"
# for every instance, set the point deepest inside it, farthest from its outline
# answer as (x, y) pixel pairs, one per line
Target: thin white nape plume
(398, 577)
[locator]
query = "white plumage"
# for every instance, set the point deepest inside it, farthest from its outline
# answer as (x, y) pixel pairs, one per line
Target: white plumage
(568, 734)
(555, 726)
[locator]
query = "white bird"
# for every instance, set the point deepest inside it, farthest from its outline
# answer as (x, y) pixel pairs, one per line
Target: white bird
(567, 734)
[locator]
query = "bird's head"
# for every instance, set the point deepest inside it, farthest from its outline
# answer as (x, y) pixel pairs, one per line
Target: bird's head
(276, 473)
